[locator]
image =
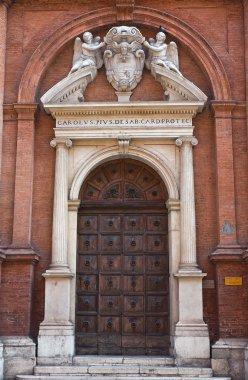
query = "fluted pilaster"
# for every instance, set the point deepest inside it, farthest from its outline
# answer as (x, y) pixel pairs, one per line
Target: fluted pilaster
(60, 207)
(188, 228)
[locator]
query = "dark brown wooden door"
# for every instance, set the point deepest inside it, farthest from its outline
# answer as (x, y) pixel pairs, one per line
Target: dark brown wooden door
(122, 267)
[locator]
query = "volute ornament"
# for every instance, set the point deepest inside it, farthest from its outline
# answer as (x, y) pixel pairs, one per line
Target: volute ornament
(124, 57)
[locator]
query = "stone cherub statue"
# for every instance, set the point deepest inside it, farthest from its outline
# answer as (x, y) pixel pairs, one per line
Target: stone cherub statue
(162, 54)
(87, 53)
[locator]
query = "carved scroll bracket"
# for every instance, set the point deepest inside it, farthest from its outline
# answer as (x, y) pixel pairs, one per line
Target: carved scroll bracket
(124, 142)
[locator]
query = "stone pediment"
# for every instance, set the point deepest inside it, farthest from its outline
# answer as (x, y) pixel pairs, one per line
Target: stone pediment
(176, 88)
(124, 52)
(71, 88)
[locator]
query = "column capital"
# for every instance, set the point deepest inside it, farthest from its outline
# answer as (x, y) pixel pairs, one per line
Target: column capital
(187, 140)
(73, 205)
(67, 143)
(25, 111)
(173, 205)
(223, 108)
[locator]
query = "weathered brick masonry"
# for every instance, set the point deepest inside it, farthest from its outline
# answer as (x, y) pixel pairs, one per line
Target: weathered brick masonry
(220, 159)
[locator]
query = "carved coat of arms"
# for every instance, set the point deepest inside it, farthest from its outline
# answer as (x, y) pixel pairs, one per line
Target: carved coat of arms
(124, 57)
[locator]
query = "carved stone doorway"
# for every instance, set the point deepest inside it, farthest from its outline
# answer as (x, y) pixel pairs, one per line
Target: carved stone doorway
(122, 302)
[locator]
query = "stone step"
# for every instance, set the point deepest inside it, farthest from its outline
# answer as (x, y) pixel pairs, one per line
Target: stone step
(107, 359)
(122, 370)
(87, 377)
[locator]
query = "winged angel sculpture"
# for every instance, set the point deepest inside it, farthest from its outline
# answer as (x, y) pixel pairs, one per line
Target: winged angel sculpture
(87, 52)
(159, 53)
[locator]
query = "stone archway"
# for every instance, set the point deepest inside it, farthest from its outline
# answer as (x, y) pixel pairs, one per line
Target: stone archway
(46, 52)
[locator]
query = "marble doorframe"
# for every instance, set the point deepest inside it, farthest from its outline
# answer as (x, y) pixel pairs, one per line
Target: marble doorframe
(170, 152)
(173, 205)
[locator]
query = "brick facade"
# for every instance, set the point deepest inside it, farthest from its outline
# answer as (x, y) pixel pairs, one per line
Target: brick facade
(38, 54)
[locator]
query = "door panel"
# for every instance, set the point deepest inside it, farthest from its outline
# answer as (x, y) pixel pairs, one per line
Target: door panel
(122, 286)
(110, 263)
(122, 304)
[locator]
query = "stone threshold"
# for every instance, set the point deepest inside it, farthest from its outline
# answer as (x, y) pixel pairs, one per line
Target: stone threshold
(71, 377)
(122, 370)
(119, 359)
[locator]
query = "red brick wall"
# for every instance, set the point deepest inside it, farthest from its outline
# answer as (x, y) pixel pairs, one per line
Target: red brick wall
(220, 23)
(15, 298)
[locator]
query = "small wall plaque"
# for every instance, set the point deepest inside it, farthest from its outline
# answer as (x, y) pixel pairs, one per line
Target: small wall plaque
(232, 281)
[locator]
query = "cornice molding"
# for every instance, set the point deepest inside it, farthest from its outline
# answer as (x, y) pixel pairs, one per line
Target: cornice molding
(120, 109)
(227, 253)
(21, 255)
(26, 111)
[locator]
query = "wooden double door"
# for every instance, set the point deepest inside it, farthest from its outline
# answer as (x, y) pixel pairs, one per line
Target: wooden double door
(122, 276)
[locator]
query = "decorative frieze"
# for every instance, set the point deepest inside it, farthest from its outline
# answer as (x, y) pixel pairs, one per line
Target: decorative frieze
(137, 119)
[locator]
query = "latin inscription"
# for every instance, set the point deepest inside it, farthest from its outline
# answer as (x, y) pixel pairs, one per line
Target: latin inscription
(108, 123)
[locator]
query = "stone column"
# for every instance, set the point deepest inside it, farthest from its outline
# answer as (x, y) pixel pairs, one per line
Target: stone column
(60, 205)
(192, 344)
(188, 232)
(56, 335)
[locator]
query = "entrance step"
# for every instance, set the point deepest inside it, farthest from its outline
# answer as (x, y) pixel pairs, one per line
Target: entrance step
(137, 360)
(120, 368)
(71, 377)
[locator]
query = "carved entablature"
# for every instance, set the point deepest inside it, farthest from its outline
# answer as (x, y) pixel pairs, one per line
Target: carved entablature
(124, 52)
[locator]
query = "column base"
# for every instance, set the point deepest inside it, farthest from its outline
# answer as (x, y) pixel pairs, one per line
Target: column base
(55, 268)
(189, 269)
(56, 334)
(56, 340)
(192, 346)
